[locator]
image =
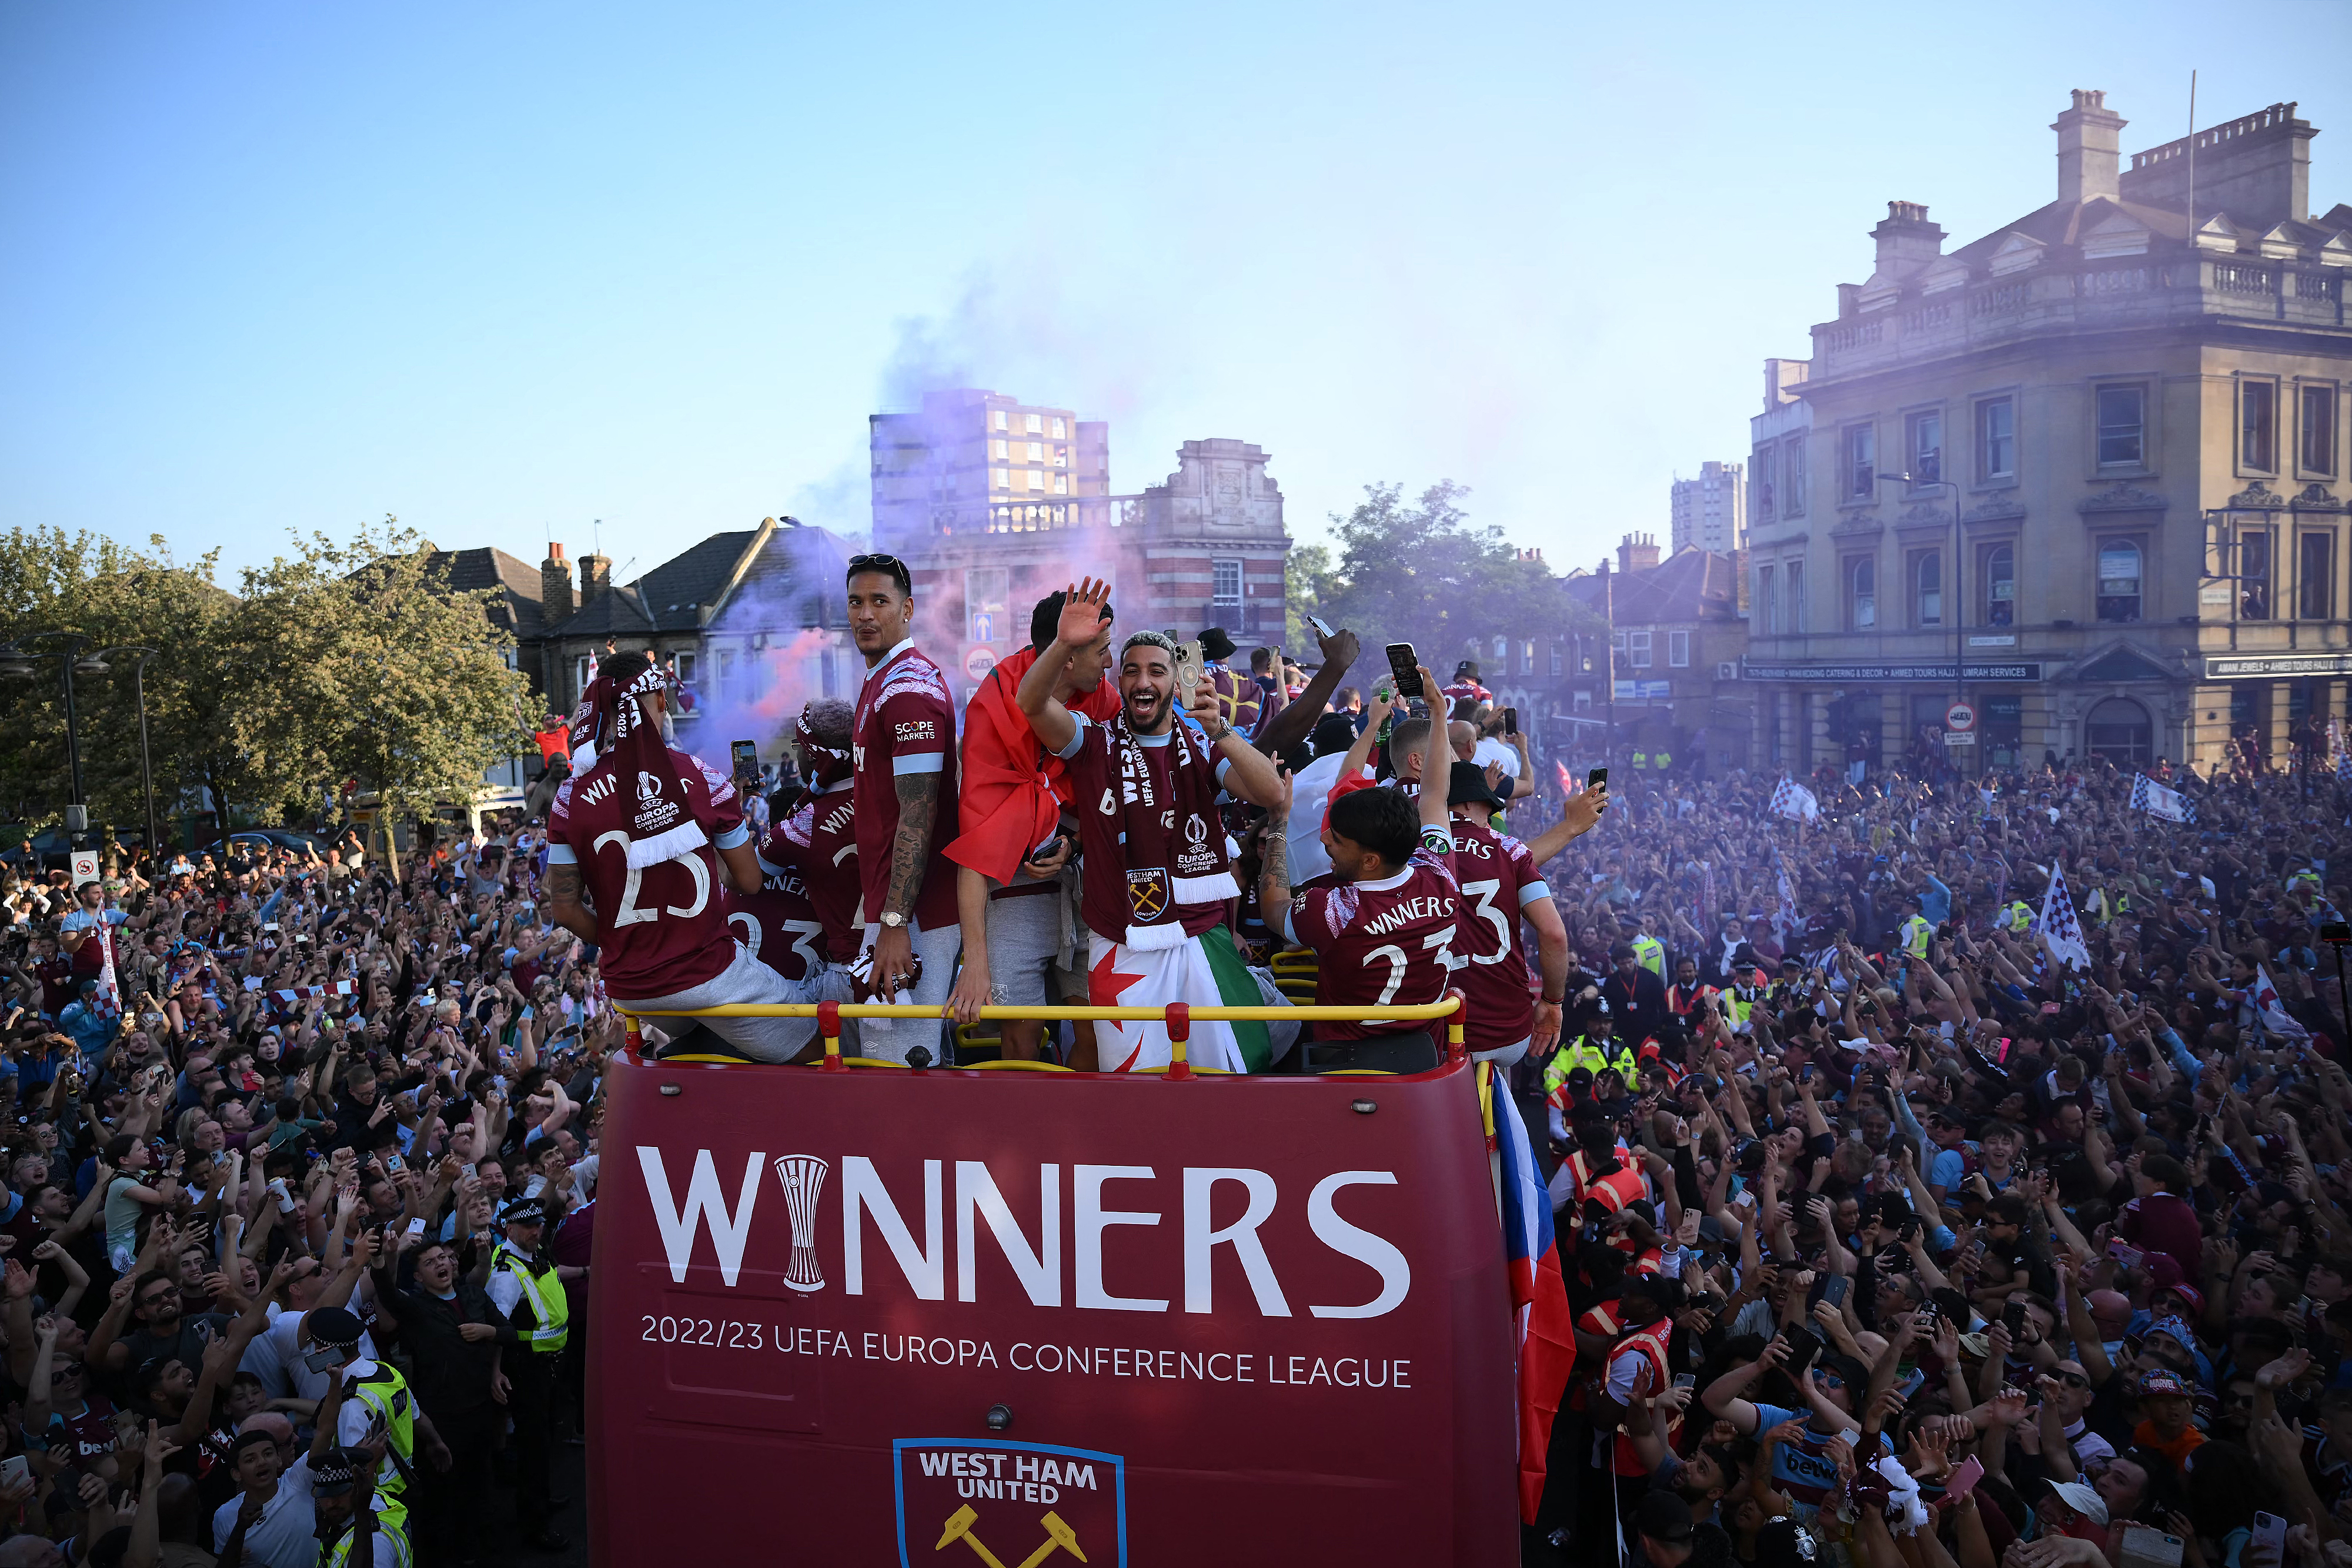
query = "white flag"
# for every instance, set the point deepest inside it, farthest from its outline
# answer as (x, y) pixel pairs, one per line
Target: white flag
(2159, 800)
(2270, 1011)
(1791, 799)
(2059, 924)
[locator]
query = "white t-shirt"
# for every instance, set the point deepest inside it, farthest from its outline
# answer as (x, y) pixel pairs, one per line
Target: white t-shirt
(294, 1380)
(1493, 750)
(284, 1538)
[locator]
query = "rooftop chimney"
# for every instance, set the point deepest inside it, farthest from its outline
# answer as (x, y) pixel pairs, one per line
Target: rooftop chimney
(596, 576)
(1908, 241)
(2090, 144)
(1781, 376)
(1638, 553)
(554, 586)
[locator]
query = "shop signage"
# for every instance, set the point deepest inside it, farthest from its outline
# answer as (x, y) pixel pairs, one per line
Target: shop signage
(2240, 669)
(2012, 672)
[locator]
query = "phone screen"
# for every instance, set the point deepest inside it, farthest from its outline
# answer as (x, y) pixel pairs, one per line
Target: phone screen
(1405, 665)
(747, 759)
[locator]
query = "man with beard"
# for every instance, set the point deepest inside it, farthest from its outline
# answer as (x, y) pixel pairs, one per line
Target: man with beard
(1156, 872)
(822, 736)
(1009, 896)
(902, 744)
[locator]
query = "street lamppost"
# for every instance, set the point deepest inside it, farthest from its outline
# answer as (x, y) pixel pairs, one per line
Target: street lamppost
(95, 663)
(16, 663)
(1957, 605)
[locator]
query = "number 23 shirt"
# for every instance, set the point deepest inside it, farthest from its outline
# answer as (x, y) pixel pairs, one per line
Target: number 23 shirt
(661, 929)
(1387, 943)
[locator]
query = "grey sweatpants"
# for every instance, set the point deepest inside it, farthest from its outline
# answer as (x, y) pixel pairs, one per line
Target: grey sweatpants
(745, 980)
(889, 1040)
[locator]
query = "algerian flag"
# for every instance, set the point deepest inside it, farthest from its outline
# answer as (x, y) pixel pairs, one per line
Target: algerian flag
(1196, 970)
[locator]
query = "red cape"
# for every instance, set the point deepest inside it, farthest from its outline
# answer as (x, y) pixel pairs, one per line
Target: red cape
(1011, 795)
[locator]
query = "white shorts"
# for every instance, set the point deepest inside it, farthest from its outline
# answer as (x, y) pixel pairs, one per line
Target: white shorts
(746, 980)
(1503, 1055)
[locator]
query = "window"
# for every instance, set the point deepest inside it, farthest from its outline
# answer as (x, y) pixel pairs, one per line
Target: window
(1037, 423)
(1768, 602)
(2315, 578)
(997, 449)
(1861, 593)
(1924, 446)
(1996, 439)
(1003, 478)
(999, 422)
(1502, 645)
(1061, 484)
(1637, 650)
(1792, 478)
(580, 673)
(2315, 429)
(1061, 457)
(685, 665)
(1678, 650)
(1228, 584)
(1036, 451)
(2000, 577)
(2257, 424)
(1059, 432)
(2118, 730)
(1528, 657)
(1796, 591)
(2119, 580)
(726, 684)
(2123, 427)
(2253, 574)
(1036, 479)
(1928, 589)
(1759, 493)
(1861, 462)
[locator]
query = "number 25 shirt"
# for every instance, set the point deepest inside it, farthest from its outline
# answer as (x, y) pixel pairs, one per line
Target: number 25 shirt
(1387, 943)
(661, 929)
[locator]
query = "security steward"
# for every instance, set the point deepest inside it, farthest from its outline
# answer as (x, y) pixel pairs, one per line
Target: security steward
(352, 1534)
(1916, 929)
(527, 1291)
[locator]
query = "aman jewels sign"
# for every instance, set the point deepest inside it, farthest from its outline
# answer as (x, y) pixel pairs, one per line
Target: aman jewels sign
(962, 1317)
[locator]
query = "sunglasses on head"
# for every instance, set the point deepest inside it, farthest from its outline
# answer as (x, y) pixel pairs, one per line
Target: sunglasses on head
(888, 564)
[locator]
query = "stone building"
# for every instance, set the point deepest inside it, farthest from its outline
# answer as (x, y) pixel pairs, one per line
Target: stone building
(1204, 549)
(1669, 681)
(2086, 470)
(1710, 512)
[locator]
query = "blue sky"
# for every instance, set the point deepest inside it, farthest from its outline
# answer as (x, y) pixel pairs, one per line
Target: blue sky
(503, 270)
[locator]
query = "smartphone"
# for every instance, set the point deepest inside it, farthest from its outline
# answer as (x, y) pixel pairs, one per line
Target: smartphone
(1805, 1074)
(392, 1163)
(1510, 721)
(2269, 1531)
(13, 1469)
(1803, 1345)
(1189, 660)
(1685, 1380)
(1597, 778)
(1833, 1292)
(2146, 1546)
(1322, 627)
(326, 1357)
(746, 754)
(2012, 1317)
(1964, 1477)
(1405, 665)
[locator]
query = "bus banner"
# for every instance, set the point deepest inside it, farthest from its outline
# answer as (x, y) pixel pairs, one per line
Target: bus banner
(1001, 1317)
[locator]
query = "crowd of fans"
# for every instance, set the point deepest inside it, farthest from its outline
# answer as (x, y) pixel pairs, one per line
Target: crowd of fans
(300, 1182)
(1909, 1213)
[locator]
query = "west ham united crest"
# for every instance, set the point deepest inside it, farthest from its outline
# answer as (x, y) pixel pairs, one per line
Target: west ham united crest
(986, 1503)
(1147, 893)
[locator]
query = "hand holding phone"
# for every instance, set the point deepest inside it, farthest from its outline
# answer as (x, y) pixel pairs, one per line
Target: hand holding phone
(1964, 1477)
(1405, 665)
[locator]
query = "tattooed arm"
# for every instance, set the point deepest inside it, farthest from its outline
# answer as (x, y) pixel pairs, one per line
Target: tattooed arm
(910, 852)
(567, 904)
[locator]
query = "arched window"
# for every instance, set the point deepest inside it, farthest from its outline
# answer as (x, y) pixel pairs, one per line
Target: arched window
(2119, 729)
(2120, 567)
(1928, 590)
(1862, 594)
(2000, 586)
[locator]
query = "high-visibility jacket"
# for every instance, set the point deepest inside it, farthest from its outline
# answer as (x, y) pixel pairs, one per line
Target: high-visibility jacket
(1663, 761)
(1651, 954)
(1916, 933)
(545, 1294)
(1680, 1000)
(337, 1553)
(1641, 759)
(1651, 1345)
(1598, 1319)
(1578, 1167)
(386, 1392)
(1594, 1056)
(2019, 917)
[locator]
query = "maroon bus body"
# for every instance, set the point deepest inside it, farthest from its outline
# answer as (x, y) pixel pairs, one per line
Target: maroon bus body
(1178, 1399)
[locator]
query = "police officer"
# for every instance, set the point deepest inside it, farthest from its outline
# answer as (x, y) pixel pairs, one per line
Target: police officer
(528, 1292)
(1648, 951)
(352, 1534)
(376, 1398)
(1916, 931)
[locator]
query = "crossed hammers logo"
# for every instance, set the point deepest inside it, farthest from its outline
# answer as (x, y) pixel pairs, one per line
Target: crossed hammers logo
(1059, 1537)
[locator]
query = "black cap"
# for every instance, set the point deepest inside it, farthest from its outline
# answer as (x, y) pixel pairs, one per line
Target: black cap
(334, 1325)
(1216, 645)
(524, 1211)
(1663, 1517)
(1467, 786)
(1334, 734)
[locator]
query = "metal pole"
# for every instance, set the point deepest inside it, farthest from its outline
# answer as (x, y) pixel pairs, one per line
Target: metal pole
(2343, 997)
(74, 646)
(146, 767)
(1960, 623)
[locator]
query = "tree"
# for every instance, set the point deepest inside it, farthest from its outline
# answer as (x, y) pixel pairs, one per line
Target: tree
(1303, 571)
(1421, 573)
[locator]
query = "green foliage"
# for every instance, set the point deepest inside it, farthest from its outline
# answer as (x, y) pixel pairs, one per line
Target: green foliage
(1422, 573)
(350, 661)
(1303, 570)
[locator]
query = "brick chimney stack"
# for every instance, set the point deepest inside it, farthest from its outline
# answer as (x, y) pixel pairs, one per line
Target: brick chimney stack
(596, 576)
(2090, 145)
(1638, 553)
(554, 586)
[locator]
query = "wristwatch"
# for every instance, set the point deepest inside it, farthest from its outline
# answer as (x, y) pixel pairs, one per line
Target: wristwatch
(893, 919)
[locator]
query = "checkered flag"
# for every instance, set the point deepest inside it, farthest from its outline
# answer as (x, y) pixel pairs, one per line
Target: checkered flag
(1790, 923)
(1791, 799)
(2158, 801)
(2058, 923)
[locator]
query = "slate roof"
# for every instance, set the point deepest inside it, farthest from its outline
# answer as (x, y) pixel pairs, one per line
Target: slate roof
(669, 597)
(1689, 586)
(793, 580)
(519, 604)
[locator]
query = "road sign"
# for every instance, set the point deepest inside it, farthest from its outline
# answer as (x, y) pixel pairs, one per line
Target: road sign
(1959, 738)
(983, 626)
(85, 866)
(1960, 717)
(979, 662)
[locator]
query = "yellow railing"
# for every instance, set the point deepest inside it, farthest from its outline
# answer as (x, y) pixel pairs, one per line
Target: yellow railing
(1177, 1016)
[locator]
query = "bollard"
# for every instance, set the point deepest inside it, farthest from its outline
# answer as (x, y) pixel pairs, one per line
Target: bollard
(828, 1024)
(1180, 1033)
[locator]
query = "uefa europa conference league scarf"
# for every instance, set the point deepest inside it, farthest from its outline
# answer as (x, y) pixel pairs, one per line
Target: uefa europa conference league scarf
(1164, 838)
